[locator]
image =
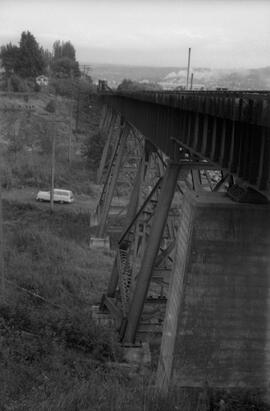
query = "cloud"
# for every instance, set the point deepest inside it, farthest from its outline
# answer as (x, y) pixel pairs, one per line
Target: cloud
(146, 31)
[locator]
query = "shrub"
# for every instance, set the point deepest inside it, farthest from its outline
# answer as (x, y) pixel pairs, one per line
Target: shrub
(62, 87)
(50, 107)
(17, 83)
(91, 149)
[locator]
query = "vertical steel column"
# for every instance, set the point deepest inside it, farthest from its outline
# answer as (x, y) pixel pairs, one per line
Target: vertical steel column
(102, 118)
(107, 119)
(106, 149)
(134, 197)
(143, 280)
(133, 215)
(113, 279)
(132, 210)
(115, 173)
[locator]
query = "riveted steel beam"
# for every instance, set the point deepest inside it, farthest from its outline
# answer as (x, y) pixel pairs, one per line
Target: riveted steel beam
(143, 279)
(230, 129)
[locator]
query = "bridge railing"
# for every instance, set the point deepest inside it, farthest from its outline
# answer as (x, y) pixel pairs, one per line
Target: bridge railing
(250, 106)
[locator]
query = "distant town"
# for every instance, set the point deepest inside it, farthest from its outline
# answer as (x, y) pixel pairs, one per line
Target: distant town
(175, 77)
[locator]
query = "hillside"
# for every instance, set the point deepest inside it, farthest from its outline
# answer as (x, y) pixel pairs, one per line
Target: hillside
(52, 355)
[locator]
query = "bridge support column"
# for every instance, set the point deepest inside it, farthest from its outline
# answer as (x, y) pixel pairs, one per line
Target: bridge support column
(216, 326)
(102, 118)
(105, 122)
(132, 209)
(112, 184)
(123, 164)
(106, 149)
(135, 194)
(151, 250)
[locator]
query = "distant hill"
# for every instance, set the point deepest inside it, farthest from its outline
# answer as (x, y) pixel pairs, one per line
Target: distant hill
(172, 77)
(115, 74)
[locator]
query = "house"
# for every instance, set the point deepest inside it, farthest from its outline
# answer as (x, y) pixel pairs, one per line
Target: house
(42, 80)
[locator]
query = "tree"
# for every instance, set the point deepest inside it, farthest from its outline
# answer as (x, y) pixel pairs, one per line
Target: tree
(57, 50)
(64, 63)
(47, 57)
(30, 62)
(63, 49)
(91, 149)
(64, 67)
(27, 60)
(9, 56)
(130, 85)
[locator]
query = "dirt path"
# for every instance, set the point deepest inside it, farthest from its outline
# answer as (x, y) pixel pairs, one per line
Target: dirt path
(83, 203)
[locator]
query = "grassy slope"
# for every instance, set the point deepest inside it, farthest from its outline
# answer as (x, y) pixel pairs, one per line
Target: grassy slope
(53, 357)
(52, 354)
(49, 344)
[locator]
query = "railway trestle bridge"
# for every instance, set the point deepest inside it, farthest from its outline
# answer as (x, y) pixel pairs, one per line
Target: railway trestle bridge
(191, 274)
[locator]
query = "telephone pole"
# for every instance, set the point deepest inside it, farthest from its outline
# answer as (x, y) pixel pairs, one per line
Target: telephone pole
(70, 113)
(52, 168)
(77, 110)
(2, 263)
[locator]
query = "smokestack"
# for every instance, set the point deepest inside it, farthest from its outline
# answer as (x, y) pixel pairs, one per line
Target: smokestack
(188, 68)
(191, 81)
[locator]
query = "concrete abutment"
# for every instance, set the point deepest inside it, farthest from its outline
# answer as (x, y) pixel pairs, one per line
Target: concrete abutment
(217, 326)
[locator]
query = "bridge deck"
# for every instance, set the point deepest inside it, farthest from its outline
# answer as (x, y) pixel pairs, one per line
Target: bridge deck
(229, 129)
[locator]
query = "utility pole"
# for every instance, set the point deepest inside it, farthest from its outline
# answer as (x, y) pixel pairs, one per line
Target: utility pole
(77, 110)
(69, 144)
(51, 108)
(188, 68)
(52, 168)
(2, 263)
(70, 131)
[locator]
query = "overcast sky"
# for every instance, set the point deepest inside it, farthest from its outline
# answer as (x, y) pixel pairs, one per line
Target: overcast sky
(221, 33)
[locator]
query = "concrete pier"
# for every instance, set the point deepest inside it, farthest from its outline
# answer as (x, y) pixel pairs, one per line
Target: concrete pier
(217, 321)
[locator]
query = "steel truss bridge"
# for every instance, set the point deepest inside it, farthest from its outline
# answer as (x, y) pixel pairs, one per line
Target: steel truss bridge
(180, 152)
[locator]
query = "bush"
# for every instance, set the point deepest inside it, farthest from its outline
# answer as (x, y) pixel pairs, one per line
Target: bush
(91, 149)
(26, 171)
(18, 84)
(8, 180)
(62, 87)
(130, 85)
(50, 107)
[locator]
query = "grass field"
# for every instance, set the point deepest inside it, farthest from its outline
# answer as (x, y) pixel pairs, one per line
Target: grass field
(53, 357)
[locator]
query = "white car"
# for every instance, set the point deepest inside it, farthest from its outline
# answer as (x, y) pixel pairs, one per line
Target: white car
(59, 196)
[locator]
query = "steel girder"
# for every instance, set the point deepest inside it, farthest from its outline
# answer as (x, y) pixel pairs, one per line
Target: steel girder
(230, 131)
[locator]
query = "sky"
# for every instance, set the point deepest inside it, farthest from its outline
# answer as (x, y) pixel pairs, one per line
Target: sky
(221, 33)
